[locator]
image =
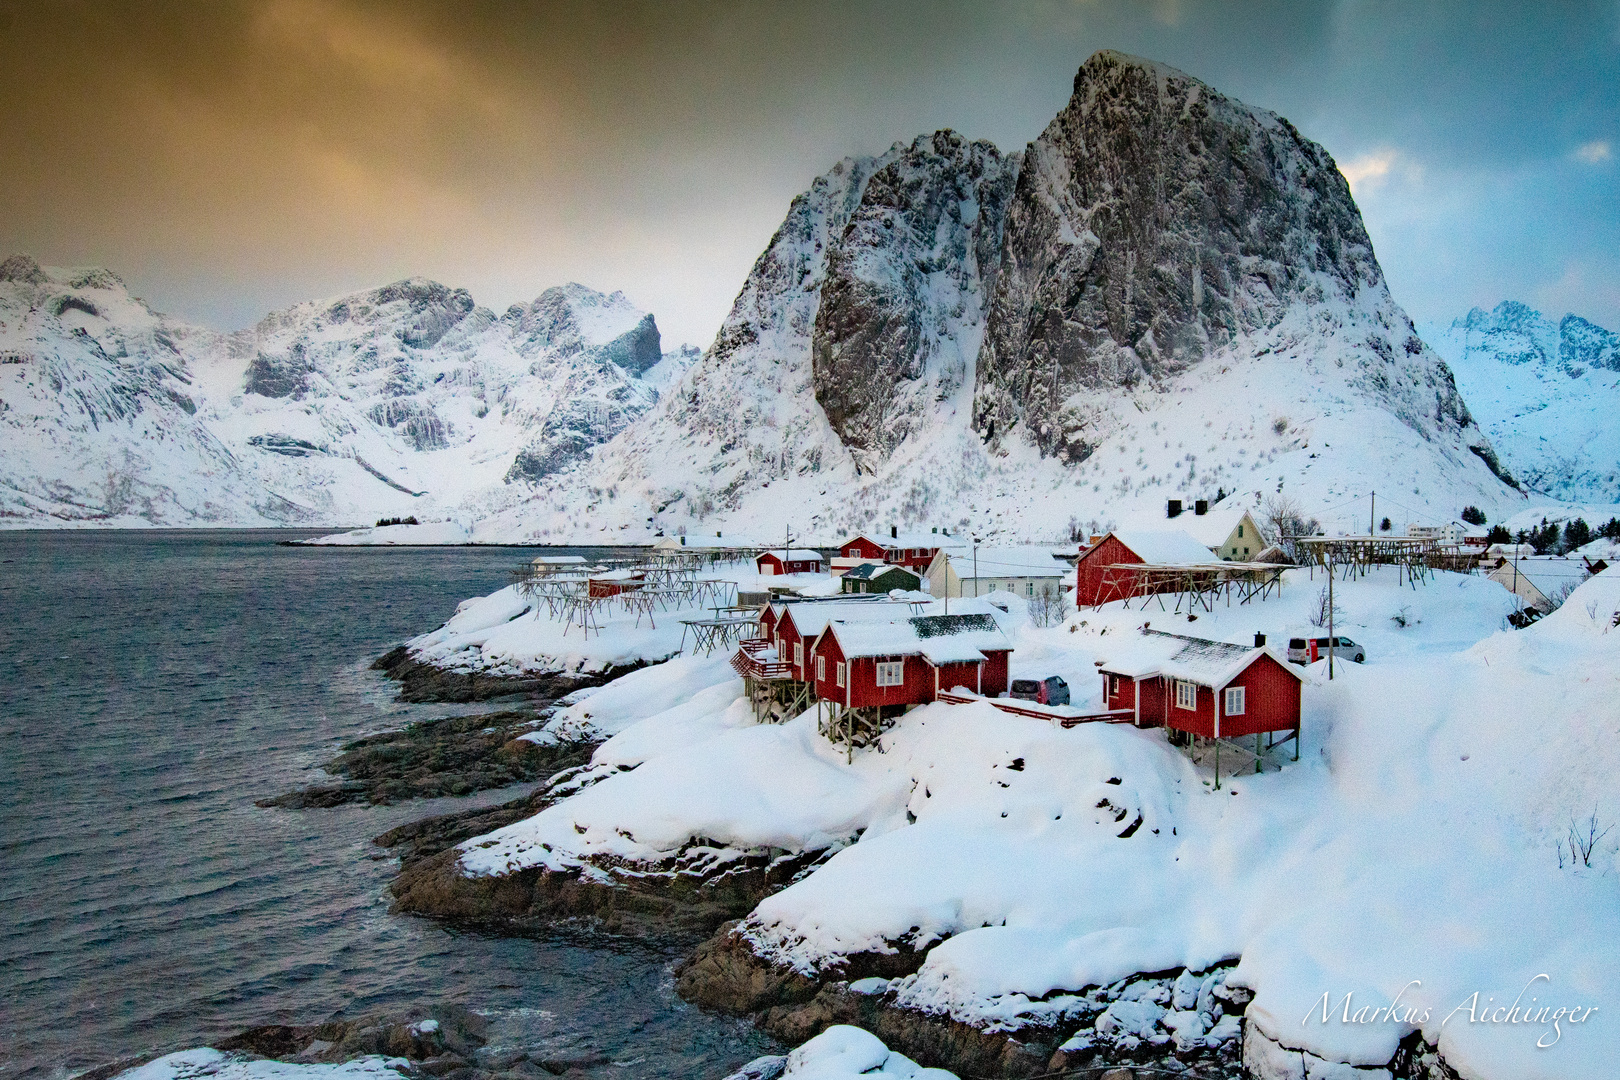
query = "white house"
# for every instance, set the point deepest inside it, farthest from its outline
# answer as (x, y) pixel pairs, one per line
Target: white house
(1026, 571)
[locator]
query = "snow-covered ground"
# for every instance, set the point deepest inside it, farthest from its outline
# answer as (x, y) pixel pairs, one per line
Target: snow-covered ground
(1417, 854)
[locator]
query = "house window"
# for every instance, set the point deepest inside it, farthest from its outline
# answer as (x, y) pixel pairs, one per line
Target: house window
(1186, 695)
(1113, 686)
(821, 668)
(838, 672)
(891, 673)
(798, 653)
(1029, 588)
(1240, 532)
(1234, 700)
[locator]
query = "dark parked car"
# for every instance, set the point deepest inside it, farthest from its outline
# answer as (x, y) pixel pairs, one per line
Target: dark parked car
(1048, 691)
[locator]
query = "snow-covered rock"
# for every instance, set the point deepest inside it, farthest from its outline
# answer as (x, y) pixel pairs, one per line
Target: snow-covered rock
(1545, 393)
(406, 399)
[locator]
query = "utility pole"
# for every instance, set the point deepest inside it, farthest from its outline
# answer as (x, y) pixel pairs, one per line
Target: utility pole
(975, 566)
(1372, 514)
(1331, 638)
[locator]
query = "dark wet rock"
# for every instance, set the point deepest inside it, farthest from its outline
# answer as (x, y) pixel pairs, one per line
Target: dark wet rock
(422, 683)
(448, 1035)
(455, 755)
(429, 836)
(675, 899)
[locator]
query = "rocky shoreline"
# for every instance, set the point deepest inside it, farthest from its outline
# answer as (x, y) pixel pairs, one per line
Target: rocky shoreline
(1177, 1021)
(424, 683)
(453, 755)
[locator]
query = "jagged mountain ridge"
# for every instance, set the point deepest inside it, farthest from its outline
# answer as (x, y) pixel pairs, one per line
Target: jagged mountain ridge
(406, 399)
(1170, 260)
(1546, 394)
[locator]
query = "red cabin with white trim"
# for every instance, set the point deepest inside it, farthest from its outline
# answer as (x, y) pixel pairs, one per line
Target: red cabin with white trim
(869, 664)
(795, 561)
(1213, 689)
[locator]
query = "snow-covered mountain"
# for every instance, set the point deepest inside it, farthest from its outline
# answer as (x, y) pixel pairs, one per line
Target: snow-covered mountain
(1168, 293)
(408, 399)
(1546, 393)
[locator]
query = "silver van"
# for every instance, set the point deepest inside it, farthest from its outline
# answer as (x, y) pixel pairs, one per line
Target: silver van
(1299, 650)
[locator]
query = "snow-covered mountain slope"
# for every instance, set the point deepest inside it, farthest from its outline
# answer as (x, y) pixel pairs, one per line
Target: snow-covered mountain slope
(1546, 394)
(1182, 301)
(98, 411)
(407, 399)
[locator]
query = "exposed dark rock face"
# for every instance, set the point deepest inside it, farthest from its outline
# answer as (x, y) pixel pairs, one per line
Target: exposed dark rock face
(282, 376)
(913, 265)
(415, 420)
(455, 755)
(1155, 219)
(671, 900)
(22, 268)
(422, 683)
(422, 1036)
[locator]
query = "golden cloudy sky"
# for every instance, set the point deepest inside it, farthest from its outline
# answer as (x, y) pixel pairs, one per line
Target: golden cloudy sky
(233, 156)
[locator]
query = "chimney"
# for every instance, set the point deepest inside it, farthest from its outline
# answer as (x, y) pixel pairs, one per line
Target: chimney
(1173, 508)
(894, 532)
(1201, 507)
(1259, 641)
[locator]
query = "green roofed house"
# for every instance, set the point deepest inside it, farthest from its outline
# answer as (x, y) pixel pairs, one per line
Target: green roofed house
(874, 577)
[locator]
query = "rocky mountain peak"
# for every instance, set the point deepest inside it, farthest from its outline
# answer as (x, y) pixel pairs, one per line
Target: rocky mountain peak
(22, 268)
(1155, 220)
(906, 275)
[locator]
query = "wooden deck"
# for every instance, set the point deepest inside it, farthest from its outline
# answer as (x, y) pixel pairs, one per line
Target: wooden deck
(1061, 715)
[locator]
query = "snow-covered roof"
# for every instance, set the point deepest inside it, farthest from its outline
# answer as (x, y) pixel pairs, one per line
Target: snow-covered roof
(811, 619)
(794, 555)
(1200, 660)
(1550, 574)
(941, 639)
(1011, 562)
(867, 570)
(1165, 546)
(905, 540)
(1211, 529)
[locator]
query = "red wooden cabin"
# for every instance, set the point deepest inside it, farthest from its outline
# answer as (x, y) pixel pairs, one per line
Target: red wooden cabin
(795, 561)
(914, 551)
(615, 582)
(1094, 581)
(1212, 689)
(890, 665)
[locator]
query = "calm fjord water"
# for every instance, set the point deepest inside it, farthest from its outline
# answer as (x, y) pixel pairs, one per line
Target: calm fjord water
(152, 686)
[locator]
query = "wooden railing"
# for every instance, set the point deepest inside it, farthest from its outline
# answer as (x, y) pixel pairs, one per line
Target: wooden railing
(749, 661)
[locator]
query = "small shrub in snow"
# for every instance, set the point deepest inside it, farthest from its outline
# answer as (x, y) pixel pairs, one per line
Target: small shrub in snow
(1576, 849)
(1403, 618)
(1280, 425)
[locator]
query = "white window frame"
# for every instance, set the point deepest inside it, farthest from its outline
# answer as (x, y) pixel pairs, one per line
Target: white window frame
(891, 673)
(1236, 701)
(839, 671)
(1029, 588)
(821, 669)
(1187, 695)
(798, 654)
